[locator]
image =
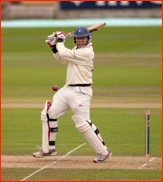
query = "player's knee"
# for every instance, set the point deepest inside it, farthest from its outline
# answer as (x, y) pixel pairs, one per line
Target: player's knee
(81, 124)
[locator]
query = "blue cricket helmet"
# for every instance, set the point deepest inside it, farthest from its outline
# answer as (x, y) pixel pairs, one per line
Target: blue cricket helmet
(81, 32)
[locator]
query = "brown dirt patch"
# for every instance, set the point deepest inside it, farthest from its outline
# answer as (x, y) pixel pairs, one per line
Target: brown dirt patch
(80, 162)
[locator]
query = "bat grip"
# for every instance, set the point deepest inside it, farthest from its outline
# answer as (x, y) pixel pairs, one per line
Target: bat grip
(93, 30)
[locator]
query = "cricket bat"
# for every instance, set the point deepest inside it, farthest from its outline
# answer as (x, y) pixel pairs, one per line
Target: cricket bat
(91, 29)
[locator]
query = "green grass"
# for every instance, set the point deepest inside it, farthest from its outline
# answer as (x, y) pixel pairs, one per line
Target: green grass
(127, 76)
(29, 69)
(41, 75)
(77, 175)
(121, 129)
(130, 76)
(109, 39)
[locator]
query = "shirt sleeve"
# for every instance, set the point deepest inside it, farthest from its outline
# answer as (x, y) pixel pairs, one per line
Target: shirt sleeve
(60, 59)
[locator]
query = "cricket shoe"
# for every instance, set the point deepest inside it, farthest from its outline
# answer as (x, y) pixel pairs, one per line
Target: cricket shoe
(102, 158)
(40, 154)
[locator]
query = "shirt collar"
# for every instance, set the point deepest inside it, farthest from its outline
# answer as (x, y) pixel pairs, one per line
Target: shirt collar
(88, 45)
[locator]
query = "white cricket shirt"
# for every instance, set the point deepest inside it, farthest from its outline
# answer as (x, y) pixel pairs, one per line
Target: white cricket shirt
(79, 63)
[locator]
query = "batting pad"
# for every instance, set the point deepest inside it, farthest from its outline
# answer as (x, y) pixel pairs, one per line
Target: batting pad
(84, 128)
(45, 140)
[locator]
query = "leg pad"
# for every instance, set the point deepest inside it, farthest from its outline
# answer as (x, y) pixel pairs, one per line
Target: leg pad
(84, 128)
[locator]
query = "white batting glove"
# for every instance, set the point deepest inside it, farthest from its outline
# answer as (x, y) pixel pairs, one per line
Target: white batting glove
(61, 36)
(51, 39)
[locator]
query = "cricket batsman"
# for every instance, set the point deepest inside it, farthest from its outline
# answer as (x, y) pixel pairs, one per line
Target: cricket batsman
(75, 94)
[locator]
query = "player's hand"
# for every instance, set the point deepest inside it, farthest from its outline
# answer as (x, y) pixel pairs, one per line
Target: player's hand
(61, 36)
(51, 39)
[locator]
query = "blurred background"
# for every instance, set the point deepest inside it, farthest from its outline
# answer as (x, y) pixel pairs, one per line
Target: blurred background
(79, 9)
(127, 49)
(127, 76)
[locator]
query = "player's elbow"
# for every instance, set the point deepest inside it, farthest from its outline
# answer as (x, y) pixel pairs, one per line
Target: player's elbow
(63, 54)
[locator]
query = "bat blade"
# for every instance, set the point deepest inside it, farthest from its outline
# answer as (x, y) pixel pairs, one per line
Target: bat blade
(91, 29)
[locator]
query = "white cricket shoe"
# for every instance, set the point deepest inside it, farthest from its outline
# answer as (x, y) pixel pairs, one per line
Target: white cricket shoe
(102, 158)
(41, 154)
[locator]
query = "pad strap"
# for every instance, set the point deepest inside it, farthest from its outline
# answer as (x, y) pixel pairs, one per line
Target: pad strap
(52, 143)
(53, 129)
(49, 119)
(96, 131)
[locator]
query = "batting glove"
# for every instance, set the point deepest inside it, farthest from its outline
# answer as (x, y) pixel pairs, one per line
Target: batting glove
(51, 39)
(44, 116)
(61, 36)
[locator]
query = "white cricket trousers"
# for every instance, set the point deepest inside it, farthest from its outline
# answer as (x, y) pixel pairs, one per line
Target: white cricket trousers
(78, 99)
(75, 97)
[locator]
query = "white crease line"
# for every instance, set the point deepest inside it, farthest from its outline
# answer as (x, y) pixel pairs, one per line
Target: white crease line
(53, 162)
(146, 163)
(152, 159)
